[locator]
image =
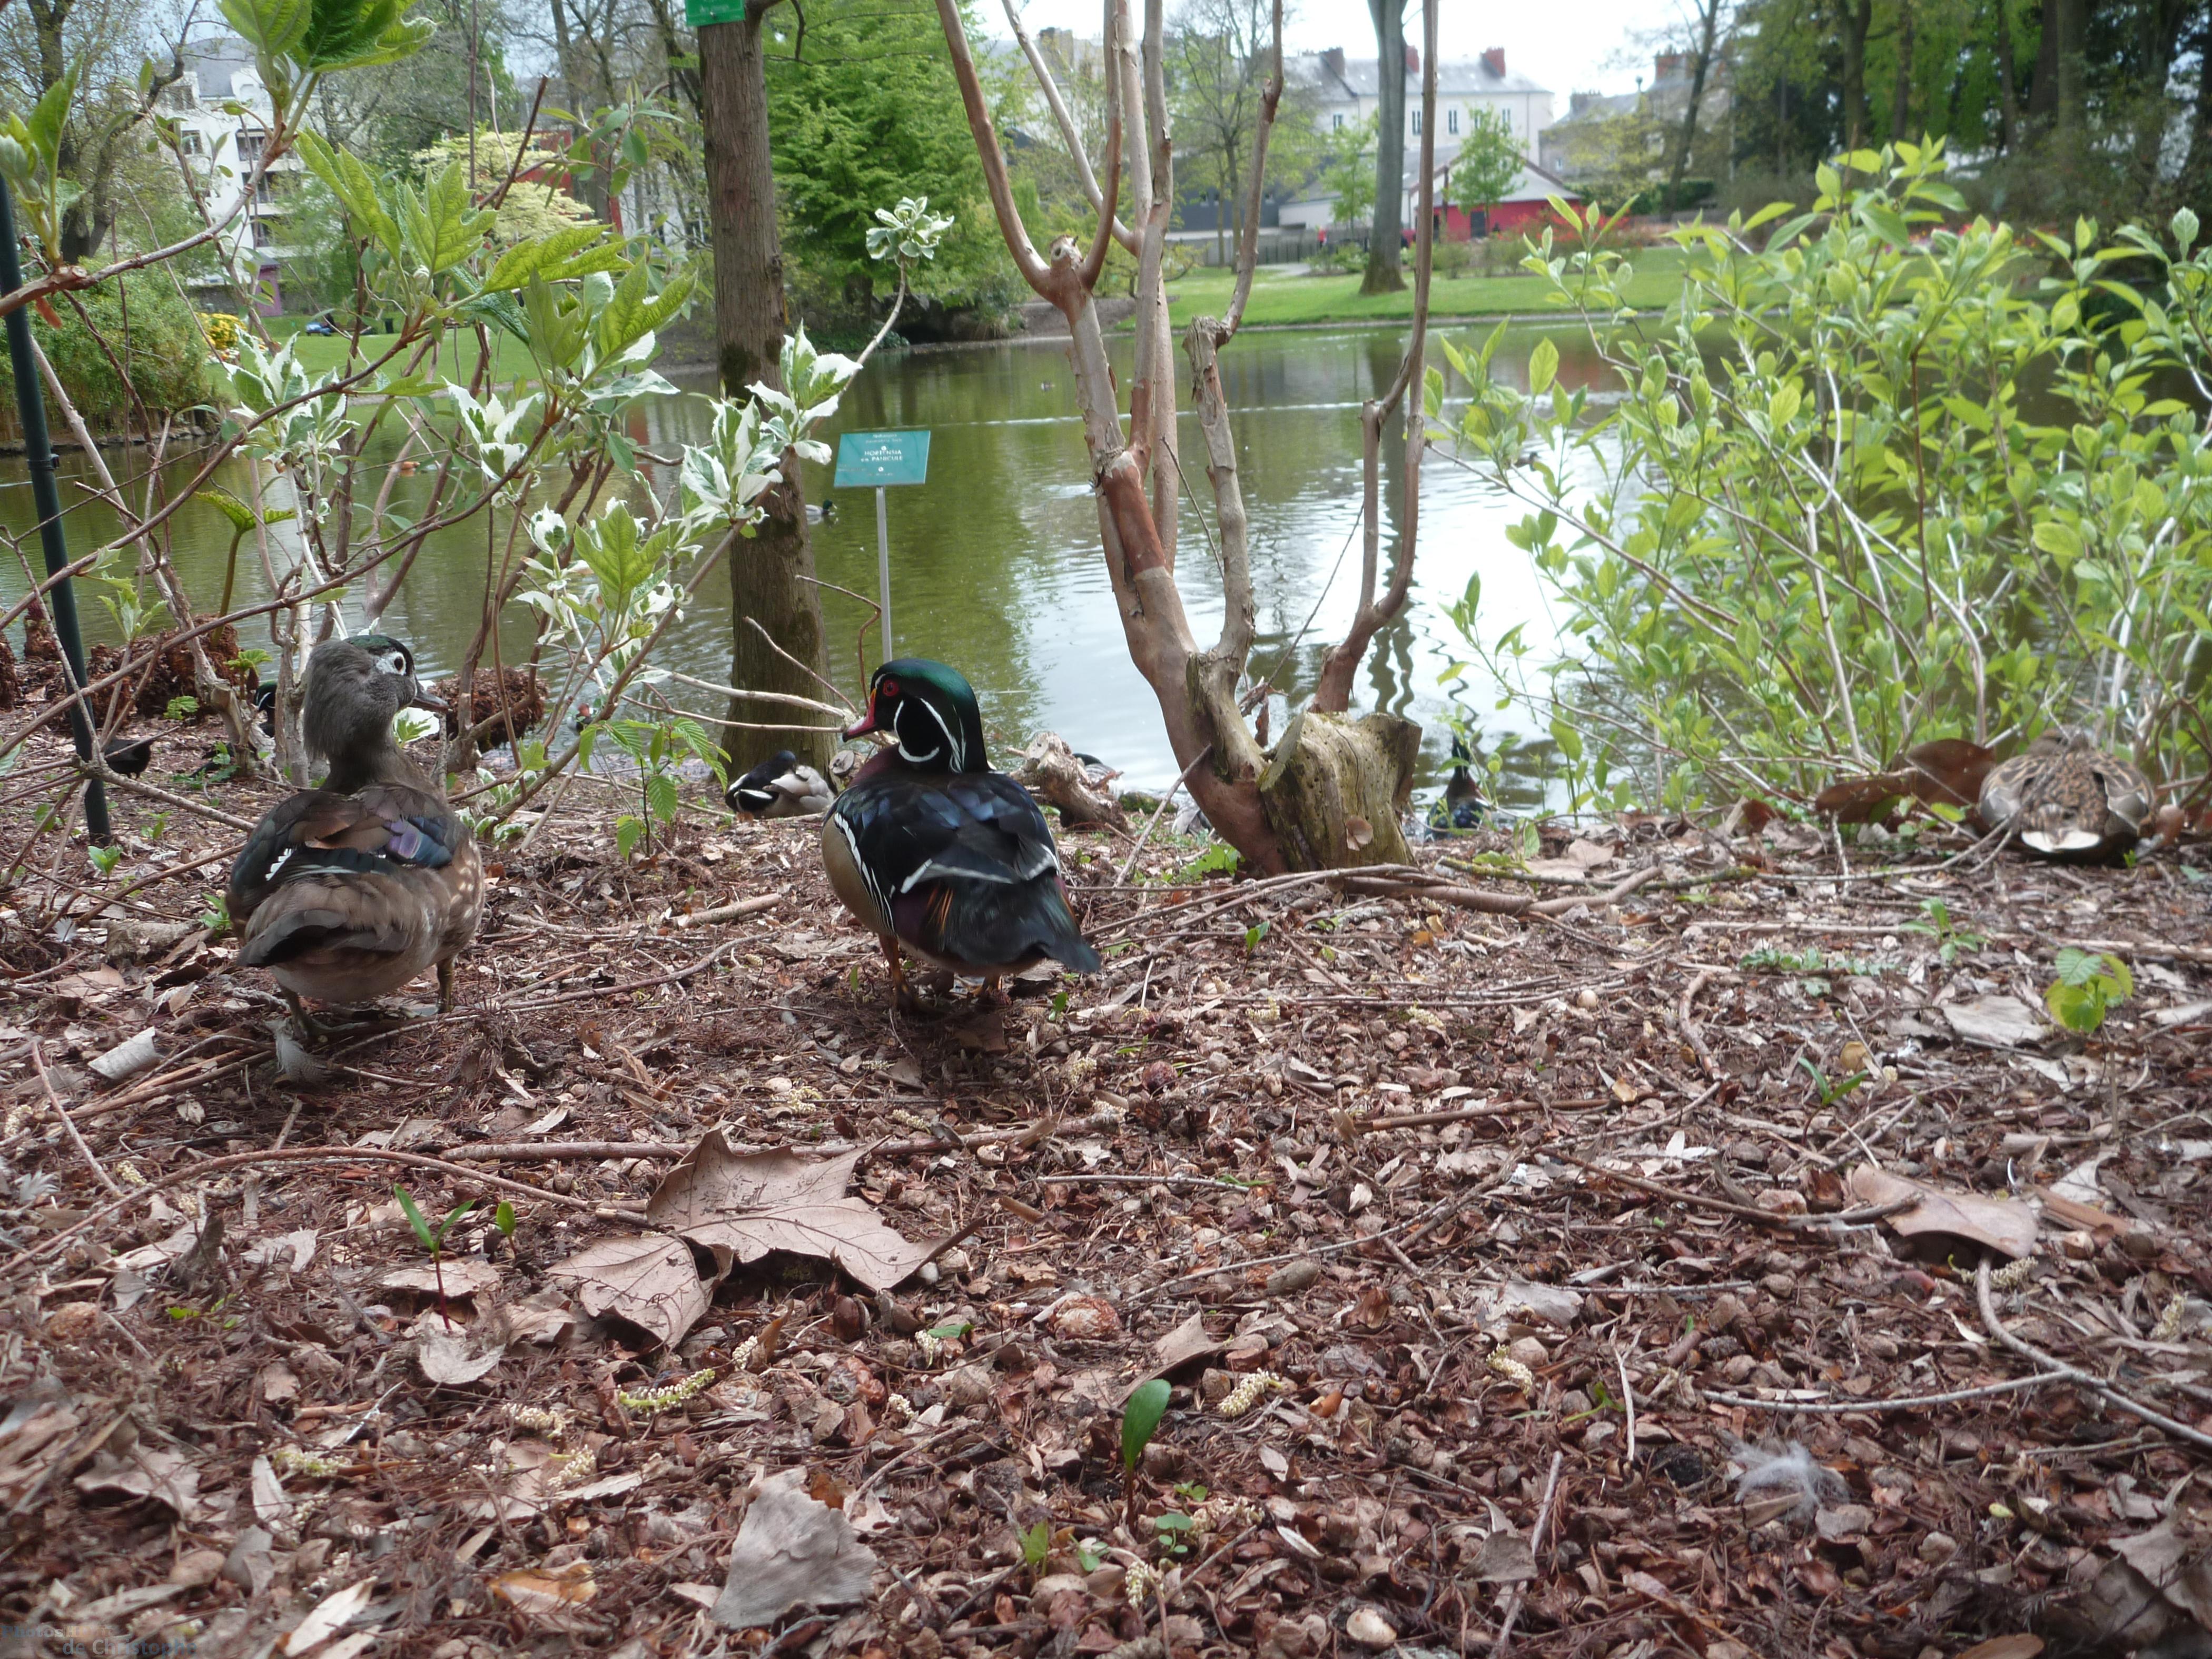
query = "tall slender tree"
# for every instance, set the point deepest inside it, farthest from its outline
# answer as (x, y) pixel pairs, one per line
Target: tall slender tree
(775, 607)
(1385, 272)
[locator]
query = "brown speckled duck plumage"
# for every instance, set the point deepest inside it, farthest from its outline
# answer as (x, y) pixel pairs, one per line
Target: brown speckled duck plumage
(2066, 799)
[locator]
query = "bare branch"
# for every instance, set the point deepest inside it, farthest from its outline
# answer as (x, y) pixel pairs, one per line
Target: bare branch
(1065, 121)
(1032, 264)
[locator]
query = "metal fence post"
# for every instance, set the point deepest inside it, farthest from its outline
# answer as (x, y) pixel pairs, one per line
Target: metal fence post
(47, 501)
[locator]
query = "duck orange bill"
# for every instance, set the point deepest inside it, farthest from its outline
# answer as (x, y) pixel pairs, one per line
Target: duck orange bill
(862, 727)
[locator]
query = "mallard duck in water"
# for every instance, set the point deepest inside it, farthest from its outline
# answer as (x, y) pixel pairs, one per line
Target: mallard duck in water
(934, 851)
(347, 892)
(780, 787)
(1460, 808)
(2066, 799)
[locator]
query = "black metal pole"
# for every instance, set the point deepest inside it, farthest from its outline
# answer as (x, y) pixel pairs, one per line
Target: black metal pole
(47, 501)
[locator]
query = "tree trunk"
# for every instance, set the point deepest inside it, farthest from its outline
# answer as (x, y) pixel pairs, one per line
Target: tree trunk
(1855, 18)
(771, 573)
(2008, 80)
(1901, 103)
(1385, 268)
(1700, 66)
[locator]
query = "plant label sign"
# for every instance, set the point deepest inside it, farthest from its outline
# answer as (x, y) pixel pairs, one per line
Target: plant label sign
(874, 460)
(877, 460)
(696, 12)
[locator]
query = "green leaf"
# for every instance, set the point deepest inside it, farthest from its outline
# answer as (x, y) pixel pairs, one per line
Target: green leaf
(415, 1216)
(459, 1211)
(2079, 1008)
(525, 260)
(2060, 540)
(1037, 1545)
(627, 830)
(274, 28)
(2076, 967)
(661, 794)
(1543, 367)
(503, 1217)
(1140, 1419)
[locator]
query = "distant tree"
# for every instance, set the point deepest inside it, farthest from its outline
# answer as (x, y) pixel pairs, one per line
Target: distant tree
(1217, 69)
(1708, 42)
(862, 110)
(1490, 160)
(100, 46)
(1348, 169)
(531, 209)
(1384, 274)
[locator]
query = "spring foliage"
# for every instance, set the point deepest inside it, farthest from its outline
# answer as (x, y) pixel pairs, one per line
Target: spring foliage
(1879, 478)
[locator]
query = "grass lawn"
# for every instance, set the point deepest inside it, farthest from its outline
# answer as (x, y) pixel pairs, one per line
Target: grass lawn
(1278, 299)
(323, 354)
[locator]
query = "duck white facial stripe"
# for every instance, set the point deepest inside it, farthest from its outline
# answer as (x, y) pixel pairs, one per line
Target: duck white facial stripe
(951, 738)
(898, 727)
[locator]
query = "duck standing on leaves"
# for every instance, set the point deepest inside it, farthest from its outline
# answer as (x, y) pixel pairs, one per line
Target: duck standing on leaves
(347, 892)
(2067, 799)
(934, 851)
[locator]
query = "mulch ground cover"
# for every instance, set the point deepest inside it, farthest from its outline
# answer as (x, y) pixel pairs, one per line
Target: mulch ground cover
(1742, 1264)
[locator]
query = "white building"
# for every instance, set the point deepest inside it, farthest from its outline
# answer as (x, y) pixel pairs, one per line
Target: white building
(223, 118)
(1345, 91)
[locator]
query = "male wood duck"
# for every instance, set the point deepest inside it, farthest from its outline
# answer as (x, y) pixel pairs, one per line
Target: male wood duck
(2065, 798)
(347, 892)
(936, 851)
(1462, 807)
(780, 787)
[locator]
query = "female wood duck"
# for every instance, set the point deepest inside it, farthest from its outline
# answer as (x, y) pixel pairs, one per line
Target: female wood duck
(935, 851)
(347, 892)
(2067, 799)
(780, 787)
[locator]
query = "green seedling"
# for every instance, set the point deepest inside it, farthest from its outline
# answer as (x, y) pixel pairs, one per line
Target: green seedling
(432, 1240)
(1830, 1093)
(1090, 1554)
(503, 1218)
(1952, 941)
(105, 859)
(1192, 1492)
(215, 914)
(1174, 1530)
(1140, 1421)
(2088, 987)
(1254, 934)
(182, 708)
(1037, 1545)
(1219, 860)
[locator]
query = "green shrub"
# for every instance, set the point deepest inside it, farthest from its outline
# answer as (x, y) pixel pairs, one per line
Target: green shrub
(161, 347)
(1877, 481)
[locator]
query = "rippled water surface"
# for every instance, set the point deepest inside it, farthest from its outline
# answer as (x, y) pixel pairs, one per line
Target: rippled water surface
(995, 565)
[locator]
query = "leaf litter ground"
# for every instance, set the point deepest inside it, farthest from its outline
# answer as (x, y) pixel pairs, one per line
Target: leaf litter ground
(1528, 1285)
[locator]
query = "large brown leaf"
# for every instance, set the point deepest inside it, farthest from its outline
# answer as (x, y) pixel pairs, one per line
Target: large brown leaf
(648, 1279)
(751, 1203)
(1945, 772)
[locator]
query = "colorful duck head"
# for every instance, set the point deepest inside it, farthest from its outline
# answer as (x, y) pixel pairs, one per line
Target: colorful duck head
(929, 712)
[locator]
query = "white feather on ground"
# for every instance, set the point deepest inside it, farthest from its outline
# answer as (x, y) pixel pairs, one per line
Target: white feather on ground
(1788, 1469)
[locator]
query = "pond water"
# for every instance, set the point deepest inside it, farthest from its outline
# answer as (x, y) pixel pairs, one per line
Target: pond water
(995, 565)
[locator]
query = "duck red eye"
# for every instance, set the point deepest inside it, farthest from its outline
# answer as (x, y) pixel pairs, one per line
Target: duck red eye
(888, 689)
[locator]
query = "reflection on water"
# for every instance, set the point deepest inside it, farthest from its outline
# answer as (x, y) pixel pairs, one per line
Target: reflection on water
(995, 565)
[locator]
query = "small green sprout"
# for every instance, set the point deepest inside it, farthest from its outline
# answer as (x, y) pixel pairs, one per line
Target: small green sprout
(1037, 1545)
(1141, 1420)
(503, 1218)
(2088, 986)
(432, 1240)
(105, 859)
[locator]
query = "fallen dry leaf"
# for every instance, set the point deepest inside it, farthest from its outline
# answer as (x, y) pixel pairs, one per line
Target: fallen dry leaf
(168, 1478)
(328, 1616)
(752, 1203)
(462, 1277)
(647, 1278)
(548, 1601)
(452, 1360)
(792, 1551)
(1994, 1022)
(2022, 1646)
(1998, 1223)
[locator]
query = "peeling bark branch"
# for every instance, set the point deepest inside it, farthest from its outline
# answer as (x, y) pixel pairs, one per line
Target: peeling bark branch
(1334, 694)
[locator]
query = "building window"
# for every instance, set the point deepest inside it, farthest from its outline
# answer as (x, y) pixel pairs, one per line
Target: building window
(1336, 121)
(1451, 120)
(263, 234)
(1417, 124)
(192, 145)
(249, 148)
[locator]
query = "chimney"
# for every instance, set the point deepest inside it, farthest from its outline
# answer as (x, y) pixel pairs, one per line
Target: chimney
(1494, 60)
(1412, 60)
(1579, 101)
(1332, 61)
(1665, 64)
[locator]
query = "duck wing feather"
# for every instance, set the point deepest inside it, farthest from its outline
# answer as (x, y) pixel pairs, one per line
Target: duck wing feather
(326, 870)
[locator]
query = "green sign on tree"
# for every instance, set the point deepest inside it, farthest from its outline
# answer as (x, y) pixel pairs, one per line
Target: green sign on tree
(696, 12)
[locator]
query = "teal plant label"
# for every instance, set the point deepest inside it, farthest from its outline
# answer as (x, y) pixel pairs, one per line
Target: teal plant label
(872, 459)
(696, 12)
